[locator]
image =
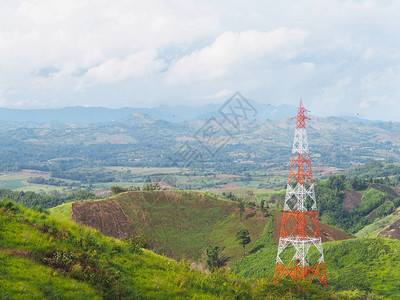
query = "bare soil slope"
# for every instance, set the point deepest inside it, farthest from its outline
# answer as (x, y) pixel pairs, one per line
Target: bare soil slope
(351, 199)
(393, 230)
(107, 216)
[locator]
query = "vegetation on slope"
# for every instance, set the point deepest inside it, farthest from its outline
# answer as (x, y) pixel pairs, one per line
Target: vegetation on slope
(23, 278)
(367, 264)
(377, 201)
(69, 257)
(372, 230)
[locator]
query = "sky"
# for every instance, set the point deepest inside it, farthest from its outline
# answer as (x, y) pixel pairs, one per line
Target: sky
(341, 57)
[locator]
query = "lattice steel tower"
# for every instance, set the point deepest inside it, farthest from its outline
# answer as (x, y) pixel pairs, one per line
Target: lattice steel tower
(300, 255)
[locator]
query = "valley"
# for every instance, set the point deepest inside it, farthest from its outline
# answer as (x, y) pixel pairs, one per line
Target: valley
(112, 177)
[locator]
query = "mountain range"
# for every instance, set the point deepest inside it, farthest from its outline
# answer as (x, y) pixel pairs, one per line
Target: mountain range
(180, 113)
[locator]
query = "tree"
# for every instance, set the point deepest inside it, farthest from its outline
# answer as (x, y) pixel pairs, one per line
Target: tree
(117, 190)
(264, 208)
(152, 187)
(243, 237)
(336, 182)
(358, 184)
(214, 257)
(241, 208)
(262, 205)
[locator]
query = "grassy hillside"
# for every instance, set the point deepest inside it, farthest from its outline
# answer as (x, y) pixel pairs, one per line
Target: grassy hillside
(364, 264)
(179, 224)
(27, 279)
(44, 257)
(372, 230)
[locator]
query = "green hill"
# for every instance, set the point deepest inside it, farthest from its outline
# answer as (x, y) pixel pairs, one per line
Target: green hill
(355, 204)
(179, 224)
(44, 257)
(364, 264)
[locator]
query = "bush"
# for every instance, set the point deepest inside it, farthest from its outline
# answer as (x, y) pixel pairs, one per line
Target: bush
(137, 243)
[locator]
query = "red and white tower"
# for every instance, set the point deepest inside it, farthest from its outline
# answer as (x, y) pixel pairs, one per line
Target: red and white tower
(300, 235)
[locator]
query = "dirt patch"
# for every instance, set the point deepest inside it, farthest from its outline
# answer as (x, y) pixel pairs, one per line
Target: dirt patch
(393, 230)
(27, 173)
(16, 252)
(396, 190)
(351, 199)
(106, 216)
(104, 193)
(324, 171)
(34, 173)
(372, 215)
(228, 185)
(328, 233)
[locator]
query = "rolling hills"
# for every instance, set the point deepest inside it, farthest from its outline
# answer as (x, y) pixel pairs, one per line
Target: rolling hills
(364, 207)
(182, 223)
(44, 257)
(178, 223)
(82, 154)
(68, 256)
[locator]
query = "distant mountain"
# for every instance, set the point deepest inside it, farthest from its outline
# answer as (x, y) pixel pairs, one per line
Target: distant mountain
(147, 141)
(179, 113)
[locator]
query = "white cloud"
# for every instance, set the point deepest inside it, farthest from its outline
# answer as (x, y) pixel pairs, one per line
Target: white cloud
(381, 78)
(376, 100)
(231, 48)
(35, 34)
(369, 53)
(335, 93)
(307, 66)
(136, 65)
(180, 51)
(220, 94)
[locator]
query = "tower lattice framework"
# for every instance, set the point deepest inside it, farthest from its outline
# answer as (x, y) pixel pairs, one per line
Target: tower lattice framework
(300, 255)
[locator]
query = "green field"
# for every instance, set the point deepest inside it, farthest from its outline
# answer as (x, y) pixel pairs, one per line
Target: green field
(11, 184)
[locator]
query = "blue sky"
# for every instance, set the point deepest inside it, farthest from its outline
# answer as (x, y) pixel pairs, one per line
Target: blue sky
(341, 57)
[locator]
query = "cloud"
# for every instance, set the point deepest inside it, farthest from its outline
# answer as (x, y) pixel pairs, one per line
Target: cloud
(336, 92)
(136, 65)
(377, 100)
(86, 52)
(232, 48)
(37, 34)
(381, 78)
(220, 94)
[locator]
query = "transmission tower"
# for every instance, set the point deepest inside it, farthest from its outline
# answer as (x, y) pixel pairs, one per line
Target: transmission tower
(300, 255)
